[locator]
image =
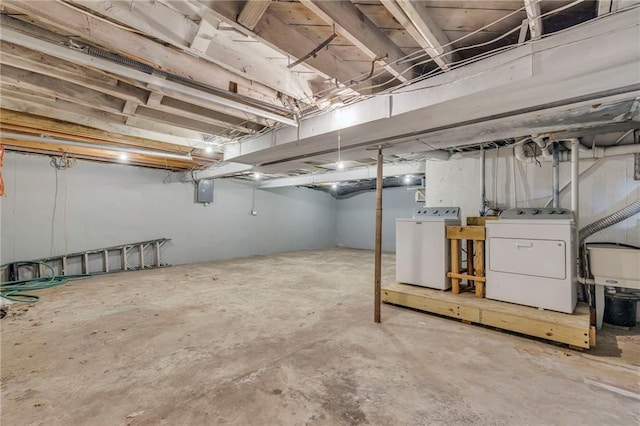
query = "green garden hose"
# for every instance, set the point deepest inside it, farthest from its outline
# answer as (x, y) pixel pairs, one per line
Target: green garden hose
(16, 290)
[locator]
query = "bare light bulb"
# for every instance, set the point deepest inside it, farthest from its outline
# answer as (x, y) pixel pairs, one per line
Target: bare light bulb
(340, 165)
(256, 176)
(407, 179)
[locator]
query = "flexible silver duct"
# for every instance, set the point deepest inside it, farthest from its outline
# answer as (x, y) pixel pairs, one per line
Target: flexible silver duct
(612, 219)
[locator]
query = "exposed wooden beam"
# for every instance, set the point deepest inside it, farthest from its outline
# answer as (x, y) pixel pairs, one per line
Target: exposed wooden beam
(134, 93)
(252, 13)
(60, 89)
(205, 115)
(178, 121)
(67, 111)
(354, 25)
(533, 14)
(274, 32)
(70, 21)
(129, 108)
(172, 27)
(604, 7)
(26, 59)
(36, 125)
(167, 85)
(414, 17)
(97, 154)
(95, 101)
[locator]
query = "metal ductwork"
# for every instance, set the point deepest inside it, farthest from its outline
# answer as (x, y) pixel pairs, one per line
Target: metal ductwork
(349, 189)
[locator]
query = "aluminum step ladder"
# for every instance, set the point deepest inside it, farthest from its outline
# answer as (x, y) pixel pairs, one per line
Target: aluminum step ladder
(131, 257)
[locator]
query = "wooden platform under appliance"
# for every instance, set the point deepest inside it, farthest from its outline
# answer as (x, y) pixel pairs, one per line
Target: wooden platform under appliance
(573, 329)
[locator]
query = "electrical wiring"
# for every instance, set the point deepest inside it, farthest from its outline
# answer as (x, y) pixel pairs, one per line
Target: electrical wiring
(458, 64)
(65, 161)
(432, 59)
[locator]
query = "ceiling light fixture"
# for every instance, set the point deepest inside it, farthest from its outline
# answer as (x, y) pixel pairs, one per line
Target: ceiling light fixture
(407, 179)
(257, 176)
(334, 185)
(123, 156)
(112, 148)
(208, 149)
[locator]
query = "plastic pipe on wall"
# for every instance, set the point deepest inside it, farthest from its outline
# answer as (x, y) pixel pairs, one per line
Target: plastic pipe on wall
(556, 176)
(575, 196)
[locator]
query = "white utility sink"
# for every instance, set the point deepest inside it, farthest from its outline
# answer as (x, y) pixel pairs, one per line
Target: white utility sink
(615, 266)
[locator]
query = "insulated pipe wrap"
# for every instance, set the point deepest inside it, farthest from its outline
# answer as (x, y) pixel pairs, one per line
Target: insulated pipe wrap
(612, 219)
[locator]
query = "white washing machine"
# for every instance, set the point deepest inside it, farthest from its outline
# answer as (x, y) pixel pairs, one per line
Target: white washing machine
(530, 258)
(422, 248)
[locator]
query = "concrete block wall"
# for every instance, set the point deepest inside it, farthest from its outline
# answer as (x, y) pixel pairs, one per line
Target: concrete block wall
(99, 205)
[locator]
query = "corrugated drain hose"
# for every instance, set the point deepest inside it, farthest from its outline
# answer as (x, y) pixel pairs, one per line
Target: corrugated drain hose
(15, 290)
(612, 219)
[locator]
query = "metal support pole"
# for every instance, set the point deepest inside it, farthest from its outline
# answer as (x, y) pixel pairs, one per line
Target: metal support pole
(556, 175)
(378, 260)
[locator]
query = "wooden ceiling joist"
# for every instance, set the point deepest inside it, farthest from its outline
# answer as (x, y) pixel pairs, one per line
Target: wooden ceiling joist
(172, 27)
(533, 15)
(274, 32)
(97, 154)
(167, 86)
(33, 124)
(351, 23)
(67, 20)
(67, 111)
(252, 13)
(415, 18)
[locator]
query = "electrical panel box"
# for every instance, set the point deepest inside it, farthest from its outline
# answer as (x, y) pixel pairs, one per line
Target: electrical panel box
(204, 192)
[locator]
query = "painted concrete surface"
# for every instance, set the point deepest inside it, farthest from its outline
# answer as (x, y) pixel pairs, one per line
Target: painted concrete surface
(604, 189)
(102, 205)
(289, 340)
(356, 218)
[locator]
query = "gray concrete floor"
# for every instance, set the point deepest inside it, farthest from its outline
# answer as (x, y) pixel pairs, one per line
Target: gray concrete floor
(289, 340)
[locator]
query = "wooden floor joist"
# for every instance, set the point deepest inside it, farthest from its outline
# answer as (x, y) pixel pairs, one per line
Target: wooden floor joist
(574, 330)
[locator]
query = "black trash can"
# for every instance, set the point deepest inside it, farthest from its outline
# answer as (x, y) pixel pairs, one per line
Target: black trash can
(620, 309)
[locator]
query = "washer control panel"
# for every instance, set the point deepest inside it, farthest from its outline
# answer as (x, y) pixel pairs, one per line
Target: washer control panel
(537, 213)
(444, 212)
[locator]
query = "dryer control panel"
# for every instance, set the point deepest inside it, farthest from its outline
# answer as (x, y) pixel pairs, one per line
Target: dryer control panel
(437, 212)
(537, 213)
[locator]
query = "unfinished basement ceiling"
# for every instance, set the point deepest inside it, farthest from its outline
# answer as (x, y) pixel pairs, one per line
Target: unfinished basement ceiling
(177, 82)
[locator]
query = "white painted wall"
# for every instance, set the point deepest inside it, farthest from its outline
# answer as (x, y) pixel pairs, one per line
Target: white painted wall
(101, 205)
(604, 189)
(355, 218)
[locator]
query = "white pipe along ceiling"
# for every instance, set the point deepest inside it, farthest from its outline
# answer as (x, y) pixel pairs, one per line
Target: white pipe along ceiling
(555, 85)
